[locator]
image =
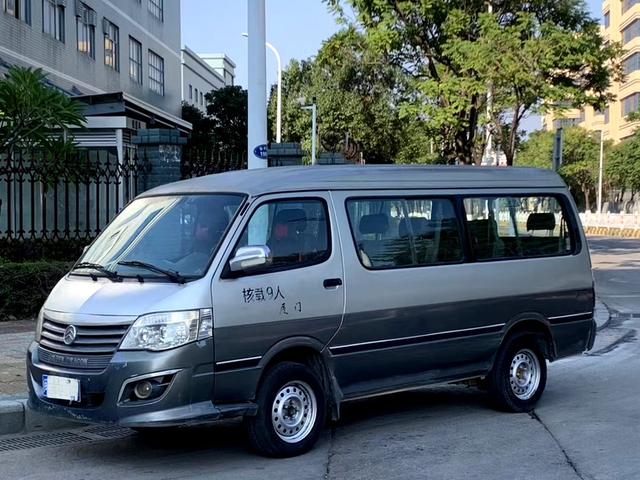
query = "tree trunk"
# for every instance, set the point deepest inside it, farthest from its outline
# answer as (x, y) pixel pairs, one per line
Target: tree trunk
(587, 203)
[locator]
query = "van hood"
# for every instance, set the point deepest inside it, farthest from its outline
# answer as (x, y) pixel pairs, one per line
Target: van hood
(82, 296)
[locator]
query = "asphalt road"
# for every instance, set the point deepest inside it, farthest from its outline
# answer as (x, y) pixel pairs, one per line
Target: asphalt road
(586, 426)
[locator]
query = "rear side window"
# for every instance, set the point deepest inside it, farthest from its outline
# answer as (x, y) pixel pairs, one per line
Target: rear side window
(404, 232)
(296, 232)
(517, 227)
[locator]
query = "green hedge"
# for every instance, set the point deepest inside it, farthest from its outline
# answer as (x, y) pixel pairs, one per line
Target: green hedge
(24, 286)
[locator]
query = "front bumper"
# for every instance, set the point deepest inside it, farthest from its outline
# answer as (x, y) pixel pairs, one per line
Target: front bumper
(187, 399)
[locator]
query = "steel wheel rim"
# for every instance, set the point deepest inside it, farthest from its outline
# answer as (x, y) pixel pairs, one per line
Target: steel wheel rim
(294, 411)
(524, 374)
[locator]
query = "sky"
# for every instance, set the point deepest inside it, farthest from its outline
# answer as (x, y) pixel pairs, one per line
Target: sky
(296, 28)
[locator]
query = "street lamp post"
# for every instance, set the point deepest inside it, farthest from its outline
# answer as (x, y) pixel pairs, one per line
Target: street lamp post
(314, 128)
(600, 173)
(279, 92)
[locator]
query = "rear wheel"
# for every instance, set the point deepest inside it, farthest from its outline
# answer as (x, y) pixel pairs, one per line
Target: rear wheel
(519, 374)
(291, 411)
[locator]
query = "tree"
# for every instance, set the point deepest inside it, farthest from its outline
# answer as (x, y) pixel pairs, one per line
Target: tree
(227, 111)
(580, 159)
(357, 92)
(202, 127)
(622, 168)
(30, 112)
(529, 55)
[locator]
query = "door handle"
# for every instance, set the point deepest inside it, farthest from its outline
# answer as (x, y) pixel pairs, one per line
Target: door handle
(332, 282)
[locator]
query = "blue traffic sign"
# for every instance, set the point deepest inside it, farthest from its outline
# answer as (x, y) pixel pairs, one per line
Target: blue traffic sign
(260, 151)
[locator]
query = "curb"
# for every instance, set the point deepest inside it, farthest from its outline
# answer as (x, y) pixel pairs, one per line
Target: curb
(16, 417)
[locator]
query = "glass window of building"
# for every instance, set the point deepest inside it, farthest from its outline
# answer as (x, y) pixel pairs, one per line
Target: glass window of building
(627, 4)
(86, 29)
(20, 9)
(53, 18)
(630, 104)
(135, 60)
(156, 73)
(156, 8)
(111, 45)
(632, 63)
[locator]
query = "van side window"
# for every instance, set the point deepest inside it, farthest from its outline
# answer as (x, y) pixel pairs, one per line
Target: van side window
(404, 232)
(517, 227)
(296, 232)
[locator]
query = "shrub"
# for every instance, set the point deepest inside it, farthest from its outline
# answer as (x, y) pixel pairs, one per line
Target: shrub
(25, 286)
(38, 249)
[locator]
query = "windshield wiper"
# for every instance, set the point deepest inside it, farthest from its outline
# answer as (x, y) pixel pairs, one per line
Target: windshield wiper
(111, 275)
(170, 274)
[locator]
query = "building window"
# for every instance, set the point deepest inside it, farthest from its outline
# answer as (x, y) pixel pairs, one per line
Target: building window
(631, 32)
(53, 18)
(627, 4)
(607, 20)
(404, 232)
(20, 9)
(111, 45)
(190, 92)
(517, 227)
(606, 114)
(201, 99)
(156, 73)
(630, 104)
(157, 9)
(632, 63)
(135, 60)
(86, 29)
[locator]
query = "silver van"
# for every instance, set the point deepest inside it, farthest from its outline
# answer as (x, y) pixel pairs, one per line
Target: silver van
(278, 294)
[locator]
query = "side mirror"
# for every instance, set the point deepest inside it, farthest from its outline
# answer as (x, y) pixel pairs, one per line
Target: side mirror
(84, 249)
(250, 258)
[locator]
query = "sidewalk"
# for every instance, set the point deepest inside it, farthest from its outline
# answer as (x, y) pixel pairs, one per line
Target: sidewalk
(15, 338)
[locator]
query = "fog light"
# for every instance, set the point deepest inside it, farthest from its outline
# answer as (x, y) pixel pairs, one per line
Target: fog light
(143, 389)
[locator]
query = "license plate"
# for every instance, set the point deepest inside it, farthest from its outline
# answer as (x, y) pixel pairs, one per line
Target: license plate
(61, 388)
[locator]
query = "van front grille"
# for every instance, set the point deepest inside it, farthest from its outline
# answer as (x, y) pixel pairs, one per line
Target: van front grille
(90, 339)
(78, 362)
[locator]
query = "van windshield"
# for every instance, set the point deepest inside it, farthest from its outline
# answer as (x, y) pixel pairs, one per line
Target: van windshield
(176, 234)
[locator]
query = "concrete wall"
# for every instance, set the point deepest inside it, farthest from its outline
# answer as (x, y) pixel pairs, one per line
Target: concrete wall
(28, 45)
(198, 78)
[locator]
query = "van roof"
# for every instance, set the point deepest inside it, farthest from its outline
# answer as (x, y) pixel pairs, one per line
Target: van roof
(361, 177)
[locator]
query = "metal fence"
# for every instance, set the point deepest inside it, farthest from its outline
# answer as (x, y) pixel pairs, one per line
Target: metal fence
(69, 198)
(75, 197)
(197, 162)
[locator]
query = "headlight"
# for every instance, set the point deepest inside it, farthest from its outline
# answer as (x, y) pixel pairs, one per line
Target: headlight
(165, 330)
(39, 324)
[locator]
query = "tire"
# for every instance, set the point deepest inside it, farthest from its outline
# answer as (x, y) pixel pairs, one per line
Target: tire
(519, 375)
(291, 411)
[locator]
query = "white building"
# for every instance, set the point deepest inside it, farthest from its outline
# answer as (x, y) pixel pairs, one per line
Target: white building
(203, 73)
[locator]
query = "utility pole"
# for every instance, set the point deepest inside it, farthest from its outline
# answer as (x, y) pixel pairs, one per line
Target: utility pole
(489, 156)
(257, 102)
(279, 90)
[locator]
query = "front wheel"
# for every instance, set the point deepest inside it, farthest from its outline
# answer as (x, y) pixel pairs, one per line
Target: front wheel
(291, 411)
(519, 375)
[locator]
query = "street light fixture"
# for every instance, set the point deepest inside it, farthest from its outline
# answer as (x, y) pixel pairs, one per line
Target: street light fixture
(279, 98)
(314, 125)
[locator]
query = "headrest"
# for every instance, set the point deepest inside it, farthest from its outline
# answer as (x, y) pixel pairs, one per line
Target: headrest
(376, 223)
(421, 227)
(293, 217)
(541, 221)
